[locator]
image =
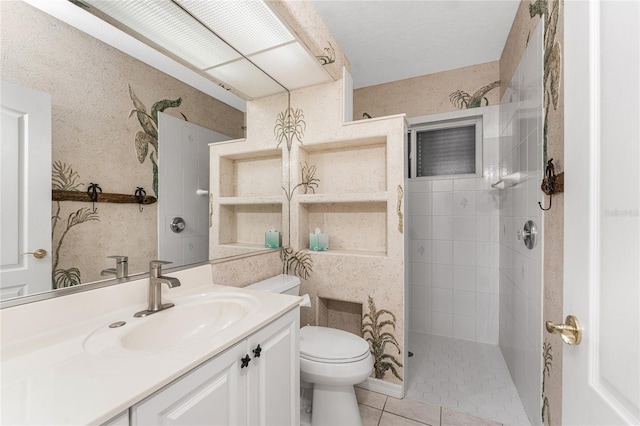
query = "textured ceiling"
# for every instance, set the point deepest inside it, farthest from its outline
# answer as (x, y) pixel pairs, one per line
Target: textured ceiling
(395, 39)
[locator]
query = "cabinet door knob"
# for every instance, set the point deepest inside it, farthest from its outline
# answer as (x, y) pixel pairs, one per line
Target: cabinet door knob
(245, 361)
(256, 351)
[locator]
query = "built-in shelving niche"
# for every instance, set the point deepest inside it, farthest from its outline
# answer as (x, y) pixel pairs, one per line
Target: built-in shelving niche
(250, 200)
(252, 174)
(348, 166)
(353, 227)
(350, 202)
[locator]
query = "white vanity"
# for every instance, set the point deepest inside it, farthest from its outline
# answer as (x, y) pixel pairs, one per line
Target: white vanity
(221, 356)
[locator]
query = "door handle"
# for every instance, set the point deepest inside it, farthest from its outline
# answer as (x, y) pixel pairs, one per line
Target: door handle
(570, 331)
(38, 254)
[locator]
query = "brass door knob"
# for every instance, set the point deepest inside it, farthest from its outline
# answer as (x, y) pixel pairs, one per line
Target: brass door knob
(38, 254)
(570, 331)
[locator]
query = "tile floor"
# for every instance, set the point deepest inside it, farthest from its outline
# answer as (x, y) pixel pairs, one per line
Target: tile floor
(463, 376)
(381, 410)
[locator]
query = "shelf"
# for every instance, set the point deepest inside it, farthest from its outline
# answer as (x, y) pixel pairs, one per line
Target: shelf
(353, 227)
(372, 197)
(347, 167)
(252, 174)
(356, 253)
(245, 224)
(239, 201)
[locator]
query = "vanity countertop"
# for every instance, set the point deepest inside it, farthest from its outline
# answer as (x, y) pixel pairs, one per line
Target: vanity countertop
(50, 378)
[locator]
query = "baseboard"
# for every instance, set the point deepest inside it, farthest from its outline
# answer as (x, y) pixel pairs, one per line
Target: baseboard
(380, 386)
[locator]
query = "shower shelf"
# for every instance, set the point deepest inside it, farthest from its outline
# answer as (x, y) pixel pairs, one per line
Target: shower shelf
(507, 181)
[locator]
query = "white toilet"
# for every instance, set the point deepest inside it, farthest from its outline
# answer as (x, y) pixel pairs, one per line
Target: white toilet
(331, 360)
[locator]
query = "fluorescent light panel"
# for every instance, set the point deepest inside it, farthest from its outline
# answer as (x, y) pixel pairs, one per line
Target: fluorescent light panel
(170, 27)
(292, 64)
(246, 78)
(249, 26)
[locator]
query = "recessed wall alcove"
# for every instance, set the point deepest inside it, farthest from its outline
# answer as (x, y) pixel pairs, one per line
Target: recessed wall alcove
(340, 314)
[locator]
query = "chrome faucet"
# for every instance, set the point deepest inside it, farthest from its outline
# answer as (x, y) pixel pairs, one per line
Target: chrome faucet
(121, 270)
(155, 291)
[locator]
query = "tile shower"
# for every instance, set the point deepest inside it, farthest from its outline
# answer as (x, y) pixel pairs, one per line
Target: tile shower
(471, 279)
(455, 250)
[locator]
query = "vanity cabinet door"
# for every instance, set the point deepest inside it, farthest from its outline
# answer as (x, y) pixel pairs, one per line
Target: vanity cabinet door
(212, 394)
(273, 379)
(121, 419)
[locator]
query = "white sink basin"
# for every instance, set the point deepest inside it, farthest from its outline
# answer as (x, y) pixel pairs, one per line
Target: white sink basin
(191, 320)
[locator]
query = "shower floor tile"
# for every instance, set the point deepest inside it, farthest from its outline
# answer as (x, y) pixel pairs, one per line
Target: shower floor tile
(465, 376)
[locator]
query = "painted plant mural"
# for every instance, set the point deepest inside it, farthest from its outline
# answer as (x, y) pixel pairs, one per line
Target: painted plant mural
(290, 125)
(64, 178)
(329, 56)
(549, 12)
(547, 358)
(148, 136)
(461, 99)
(298, 263)
(373, 325)
(308, 181)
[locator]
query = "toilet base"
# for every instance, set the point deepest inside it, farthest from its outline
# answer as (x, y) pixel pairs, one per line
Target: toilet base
(335, 406)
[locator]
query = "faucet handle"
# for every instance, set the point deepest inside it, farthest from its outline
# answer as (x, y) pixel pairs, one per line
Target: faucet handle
(155, 267)
(119, 259)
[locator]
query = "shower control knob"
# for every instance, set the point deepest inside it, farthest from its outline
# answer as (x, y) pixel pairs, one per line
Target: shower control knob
(177, 225)
(257, 351)
(245, 361)
(528, 234)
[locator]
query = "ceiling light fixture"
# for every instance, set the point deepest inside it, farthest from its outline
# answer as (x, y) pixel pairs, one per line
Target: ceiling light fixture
(239, 44)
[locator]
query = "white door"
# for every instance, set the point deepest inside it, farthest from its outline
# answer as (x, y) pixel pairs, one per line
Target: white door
(25, 183)
(183, 187)
(601, 375)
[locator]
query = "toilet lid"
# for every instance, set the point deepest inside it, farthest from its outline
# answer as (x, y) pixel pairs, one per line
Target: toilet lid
(331, 345)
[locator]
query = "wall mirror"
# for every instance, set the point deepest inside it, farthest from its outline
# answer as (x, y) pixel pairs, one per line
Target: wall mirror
(108, 110)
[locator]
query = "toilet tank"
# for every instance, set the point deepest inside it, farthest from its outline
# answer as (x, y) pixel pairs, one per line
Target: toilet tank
(284, 284)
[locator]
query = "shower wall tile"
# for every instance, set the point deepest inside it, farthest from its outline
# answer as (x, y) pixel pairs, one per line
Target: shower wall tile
(520, 270)
(487, 280)
(464, 278)
(442, 300)
(442, 275)
(464, 302)
(420, 204)
(442, 203)
(464, 203)
(464, 184)
(420, 227)
(442, 185)
(464, 327)
(460, 220)
(442, 324)
(464, 228)
(442, 228)
(487, 331)
(442, 252)
(464, 253)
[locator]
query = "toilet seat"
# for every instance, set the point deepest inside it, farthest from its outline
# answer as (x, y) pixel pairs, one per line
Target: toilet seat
(332, 346)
